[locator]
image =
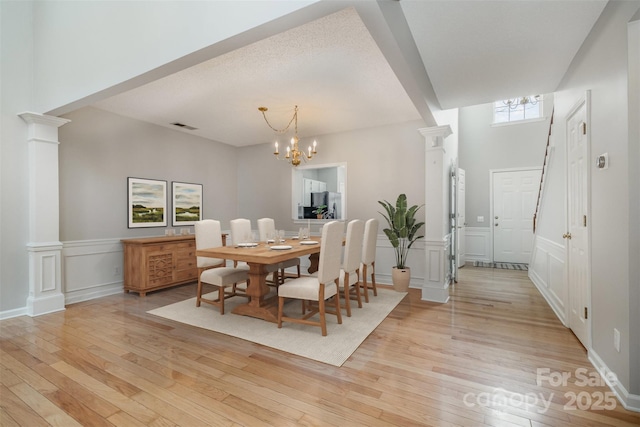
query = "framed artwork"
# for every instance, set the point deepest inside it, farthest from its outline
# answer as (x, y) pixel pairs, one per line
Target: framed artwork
(147, 203)
(187, 203)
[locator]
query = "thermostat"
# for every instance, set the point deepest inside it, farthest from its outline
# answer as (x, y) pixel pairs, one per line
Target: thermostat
(602, 161)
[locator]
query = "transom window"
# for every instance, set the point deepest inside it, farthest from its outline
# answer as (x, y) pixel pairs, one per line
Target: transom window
(517, 109)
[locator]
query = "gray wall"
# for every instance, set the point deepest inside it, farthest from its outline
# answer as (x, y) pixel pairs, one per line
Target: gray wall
(484, 147)
(99, 150)
(381, 163)
(17, 95)
(601, 67)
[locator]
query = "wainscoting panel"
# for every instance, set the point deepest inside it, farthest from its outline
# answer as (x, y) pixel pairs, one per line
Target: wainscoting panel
(547, 272)
(478, 244)
(91, 269)
(385, 261)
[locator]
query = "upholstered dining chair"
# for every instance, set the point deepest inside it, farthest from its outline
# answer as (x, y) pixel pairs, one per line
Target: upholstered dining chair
(241, 233)
(350, 271)
(213, 271)
(368, 266)
(267, 227)
(317, 288)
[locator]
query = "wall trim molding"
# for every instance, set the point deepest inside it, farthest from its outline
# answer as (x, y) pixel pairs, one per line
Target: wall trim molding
(478, 244)
(629, 401)
(547, 271)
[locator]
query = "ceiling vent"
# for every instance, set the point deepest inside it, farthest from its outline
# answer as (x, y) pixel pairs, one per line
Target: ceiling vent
(183, 126)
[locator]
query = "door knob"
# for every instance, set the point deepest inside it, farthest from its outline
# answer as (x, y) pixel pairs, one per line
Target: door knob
(496, 217)
(566, 236)
(496, 224)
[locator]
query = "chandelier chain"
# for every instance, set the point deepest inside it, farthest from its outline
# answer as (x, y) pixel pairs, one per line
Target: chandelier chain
(294, 118)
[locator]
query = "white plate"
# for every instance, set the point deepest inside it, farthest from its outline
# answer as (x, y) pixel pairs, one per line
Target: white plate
(281, 247)
(308, 242)
(247, 245)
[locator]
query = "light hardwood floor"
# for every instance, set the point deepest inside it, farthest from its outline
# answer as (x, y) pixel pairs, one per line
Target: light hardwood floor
(471, 362)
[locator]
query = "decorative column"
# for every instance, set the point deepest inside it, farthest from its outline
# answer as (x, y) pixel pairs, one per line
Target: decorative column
(437, 233)
(44, 247)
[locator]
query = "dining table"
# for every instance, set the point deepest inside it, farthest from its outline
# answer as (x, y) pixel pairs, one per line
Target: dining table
(258, 256)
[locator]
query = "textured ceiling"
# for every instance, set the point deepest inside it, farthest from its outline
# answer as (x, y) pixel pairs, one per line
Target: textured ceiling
(370, 64)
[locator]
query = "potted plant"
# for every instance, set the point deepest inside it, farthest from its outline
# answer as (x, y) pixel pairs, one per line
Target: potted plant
(402, 234)
(319, 211)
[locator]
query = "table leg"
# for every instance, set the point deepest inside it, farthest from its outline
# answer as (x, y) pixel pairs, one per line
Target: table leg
(258, 306)
(314, 259)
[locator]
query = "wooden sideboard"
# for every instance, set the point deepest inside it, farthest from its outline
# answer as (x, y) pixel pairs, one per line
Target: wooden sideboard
(152, 263)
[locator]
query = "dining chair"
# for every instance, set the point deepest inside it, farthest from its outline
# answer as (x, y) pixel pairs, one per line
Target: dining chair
(266, 228)
(213, 271)
(241, 233)
(317, 288)
(368, 265)
(350, 271)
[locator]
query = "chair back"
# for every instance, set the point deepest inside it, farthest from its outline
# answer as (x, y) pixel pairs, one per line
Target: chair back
(240, 230)
(266, 226)
(208, 235)
(370, 240)
(353, 246)
(330, 252)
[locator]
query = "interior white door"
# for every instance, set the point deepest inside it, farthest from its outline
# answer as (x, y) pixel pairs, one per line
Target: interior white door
(462, 221)
(577, 236)
(514, 198)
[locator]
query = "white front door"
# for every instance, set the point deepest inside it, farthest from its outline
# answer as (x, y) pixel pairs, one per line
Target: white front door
(578, 223)
(462, 221)
(514, 201)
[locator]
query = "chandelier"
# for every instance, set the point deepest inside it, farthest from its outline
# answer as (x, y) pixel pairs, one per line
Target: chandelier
(514, 103)
(294, 155)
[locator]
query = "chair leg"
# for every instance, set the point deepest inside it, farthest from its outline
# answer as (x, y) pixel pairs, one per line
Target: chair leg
(373, 279)
(199, 292)
(357, 288)
(280, 308)
(323, 317)
(221, 298)
(298, 270)
(364, 283)
(337, 301)
(346, 293)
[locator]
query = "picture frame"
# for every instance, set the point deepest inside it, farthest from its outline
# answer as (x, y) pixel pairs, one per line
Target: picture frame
(147, 203)
(187, 203)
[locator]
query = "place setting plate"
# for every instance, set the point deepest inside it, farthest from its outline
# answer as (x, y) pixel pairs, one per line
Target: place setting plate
(309, 242)
(281, 247)
(247, 245)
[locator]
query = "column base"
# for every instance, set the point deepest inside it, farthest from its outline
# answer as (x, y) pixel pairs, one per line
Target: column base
(45, 304)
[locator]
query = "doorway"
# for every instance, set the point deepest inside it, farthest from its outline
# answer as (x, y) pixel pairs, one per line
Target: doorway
(513, 199)
(578, 221)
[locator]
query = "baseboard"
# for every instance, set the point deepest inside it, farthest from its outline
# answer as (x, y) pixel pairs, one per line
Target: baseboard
(16, 312)
(630, 402)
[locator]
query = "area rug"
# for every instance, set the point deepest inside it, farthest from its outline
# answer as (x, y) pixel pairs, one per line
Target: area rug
(502, 265)
(306, 341)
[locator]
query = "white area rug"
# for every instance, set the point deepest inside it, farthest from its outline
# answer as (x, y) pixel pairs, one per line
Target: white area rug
(307, 341)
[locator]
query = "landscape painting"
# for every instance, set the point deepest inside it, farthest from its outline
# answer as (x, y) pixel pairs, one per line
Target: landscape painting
(187, 203)
(147, 203)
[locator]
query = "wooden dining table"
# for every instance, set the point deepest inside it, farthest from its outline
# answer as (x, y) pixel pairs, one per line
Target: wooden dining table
(260, 304)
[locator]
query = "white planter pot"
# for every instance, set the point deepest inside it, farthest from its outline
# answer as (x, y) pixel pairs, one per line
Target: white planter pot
(401, 278)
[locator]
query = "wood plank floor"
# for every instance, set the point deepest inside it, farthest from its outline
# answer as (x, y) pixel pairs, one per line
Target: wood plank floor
(471, 362)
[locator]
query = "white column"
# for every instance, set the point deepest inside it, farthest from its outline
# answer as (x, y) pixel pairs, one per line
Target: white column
(44, 247)
(436, 237)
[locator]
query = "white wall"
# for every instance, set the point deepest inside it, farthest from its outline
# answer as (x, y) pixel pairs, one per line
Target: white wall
(78, 53)
(381, 163)
(484, 147)
(16, 96)
(601, 67)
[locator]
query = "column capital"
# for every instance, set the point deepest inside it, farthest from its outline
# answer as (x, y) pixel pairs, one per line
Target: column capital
(435, 135)
(43, 119)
